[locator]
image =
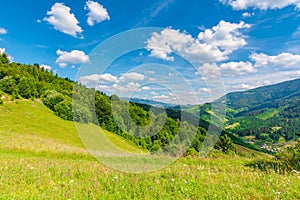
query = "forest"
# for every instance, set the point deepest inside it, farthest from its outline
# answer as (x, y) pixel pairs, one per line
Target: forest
(73, 101)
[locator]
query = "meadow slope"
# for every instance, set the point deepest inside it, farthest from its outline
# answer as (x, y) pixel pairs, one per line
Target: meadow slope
(42, 157)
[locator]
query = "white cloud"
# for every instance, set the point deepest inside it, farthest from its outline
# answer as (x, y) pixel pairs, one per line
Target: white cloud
(2, 51)
(213, 70)
(3, 31)
(109, 79)
(154, 93)
(236, 68)
(46, 67)
(247, 14)
(160, 97)
(204, 90)
(212, 45)
(208, 70)
(243, 86)
(73, 57)
(146, 88)
(130, 87)
(98, 78)
(280, 60)
(63, 20)
(261, 4)
(97, 13)
(132, 76)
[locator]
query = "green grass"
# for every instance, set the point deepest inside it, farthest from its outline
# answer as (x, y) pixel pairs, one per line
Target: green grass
(42, 157)
(30, 126)
(268, 114)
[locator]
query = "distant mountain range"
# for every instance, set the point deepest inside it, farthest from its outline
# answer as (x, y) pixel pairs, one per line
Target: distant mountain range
(262, 116)
(149, 102)
(268, 114)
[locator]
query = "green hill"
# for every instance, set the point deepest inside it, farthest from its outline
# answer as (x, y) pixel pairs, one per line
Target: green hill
(28, 126)
(270, 114)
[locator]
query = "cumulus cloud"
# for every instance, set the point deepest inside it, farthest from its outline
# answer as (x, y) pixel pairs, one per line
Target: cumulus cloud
(111, 79)
(212, 70)
(2, 51)
(236, 68)
(212, 45)
(208, 70)
(130, 87)
(98, 78)
(61, 18)
(261, 4)
(280, 60)
(46, 67)
(3, 31)
(243, 86)
(97, 13)
(73, 57)
(132, 76)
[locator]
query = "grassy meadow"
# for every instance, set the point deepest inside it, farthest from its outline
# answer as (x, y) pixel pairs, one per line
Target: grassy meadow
(42, 157)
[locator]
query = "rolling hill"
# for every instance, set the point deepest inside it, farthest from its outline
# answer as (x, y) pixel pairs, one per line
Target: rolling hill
(268, 114)
(28, 126)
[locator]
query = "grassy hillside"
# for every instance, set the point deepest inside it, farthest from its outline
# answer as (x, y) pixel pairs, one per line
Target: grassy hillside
(42, 157)
(27, 125)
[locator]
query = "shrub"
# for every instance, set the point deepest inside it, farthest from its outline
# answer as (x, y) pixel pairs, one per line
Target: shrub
(290, 157)
(225, 144)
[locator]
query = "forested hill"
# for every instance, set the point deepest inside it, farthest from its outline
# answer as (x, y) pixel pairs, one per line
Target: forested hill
(72, 101)
(262, 96)
(266, 115)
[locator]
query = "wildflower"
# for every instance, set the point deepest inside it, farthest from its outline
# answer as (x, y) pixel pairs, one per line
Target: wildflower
(187, 173)
(187, 181)
(72, 181)
(116, 179)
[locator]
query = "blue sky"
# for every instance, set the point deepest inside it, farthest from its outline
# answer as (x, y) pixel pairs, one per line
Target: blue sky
(199, 50)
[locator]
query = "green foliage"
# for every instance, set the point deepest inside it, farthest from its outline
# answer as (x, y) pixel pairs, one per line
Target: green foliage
(8, 85)
(290, 157)
(4, 58)
(27, 88)
(225, 144)
(285, 161)
(64, 110)
(51, 98)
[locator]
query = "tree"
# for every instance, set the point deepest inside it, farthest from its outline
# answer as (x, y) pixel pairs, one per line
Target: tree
(64, 110)
(8, 85)
(4, 58)
(27, 88)
(51, 98)
(225, 144)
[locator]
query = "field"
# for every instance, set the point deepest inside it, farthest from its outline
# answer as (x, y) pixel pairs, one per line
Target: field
(42, 157)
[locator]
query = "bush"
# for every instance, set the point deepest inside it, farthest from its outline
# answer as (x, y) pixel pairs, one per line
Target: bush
(225, 144)
(290, 157)
(64, 110)
(51, 98)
